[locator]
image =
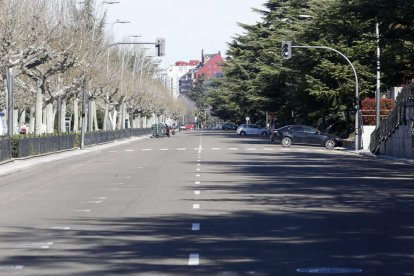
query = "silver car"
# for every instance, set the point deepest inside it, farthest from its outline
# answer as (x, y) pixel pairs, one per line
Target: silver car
(249, 129)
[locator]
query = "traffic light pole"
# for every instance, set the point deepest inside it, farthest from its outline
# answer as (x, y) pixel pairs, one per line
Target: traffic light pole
(160, 44)
(357, 111)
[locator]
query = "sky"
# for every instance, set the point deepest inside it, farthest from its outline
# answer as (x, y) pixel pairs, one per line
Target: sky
(188, 26)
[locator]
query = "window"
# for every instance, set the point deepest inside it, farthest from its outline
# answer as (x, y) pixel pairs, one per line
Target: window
(309, 130)
(297, 129)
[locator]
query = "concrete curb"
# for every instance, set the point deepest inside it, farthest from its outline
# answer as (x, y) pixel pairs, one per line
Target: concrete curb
(368, 154)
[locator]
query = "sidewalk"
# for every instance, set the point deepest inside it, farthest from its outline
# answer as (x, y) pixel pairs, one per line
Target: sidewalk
(17, 165)
(367, 153)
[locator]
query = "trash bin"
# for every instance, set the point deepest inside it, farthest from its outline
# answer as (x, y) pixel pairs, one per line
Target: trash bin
(158, 130)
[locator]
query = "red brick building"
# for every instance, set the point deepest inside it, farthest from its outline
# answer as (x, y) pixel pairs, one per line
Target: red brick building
(211, 67)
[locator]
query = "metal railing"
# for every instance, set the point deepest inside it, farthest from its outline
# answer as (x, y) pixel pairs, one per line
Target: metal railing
(29, 145)
(36, 145)
(5, 148)
(393, 121)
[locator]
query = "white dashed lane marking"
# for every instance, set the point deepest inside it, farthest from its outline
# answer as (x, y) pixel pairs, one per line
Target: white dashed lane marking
(231, 149)
(61, 228)
(40, 245)
(197, 192)
(11, 267)
(194, 259)
(196, 206)
(95, 201)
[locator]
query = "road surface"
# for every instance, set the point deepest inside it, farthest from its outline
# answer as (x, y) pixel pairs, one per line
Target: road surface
(208, 203)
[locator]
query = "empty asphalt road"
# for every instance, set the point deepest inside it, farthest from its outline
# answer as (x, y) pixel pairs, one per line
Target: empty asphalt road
(208, 203)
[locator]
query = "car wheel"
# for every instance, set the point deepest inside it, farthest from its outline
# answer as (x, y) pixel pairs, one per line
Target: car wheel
(243, 133)
(329, 144)
(264, 133)
(286, 142)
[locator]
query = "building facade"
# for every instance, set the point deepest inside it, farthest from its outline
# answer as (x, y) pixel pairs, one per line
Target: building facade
(176, 71)
(208, 68)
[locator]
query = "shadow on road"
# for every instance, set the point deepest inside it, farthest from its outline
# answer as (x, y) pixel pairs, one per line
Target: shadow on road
(292, 210)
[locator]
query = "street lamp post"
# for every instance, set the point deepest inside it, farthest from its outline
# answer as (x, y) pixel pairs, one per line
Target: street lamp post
(357, 110)
(377, 92)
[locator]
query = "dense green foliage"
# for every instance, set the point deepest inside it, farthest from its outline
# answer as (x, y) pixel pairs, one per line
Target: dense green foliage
(315, 83)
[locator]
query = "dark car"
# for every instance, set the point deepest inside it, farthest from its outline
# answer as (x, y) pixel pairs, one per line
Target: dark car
(299, 134)
(229, 126)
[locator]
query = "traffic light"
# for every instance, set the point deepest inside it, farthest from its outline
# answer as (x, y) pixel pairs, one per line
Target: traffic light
(160, 45)
(286, 49)
(356, 103)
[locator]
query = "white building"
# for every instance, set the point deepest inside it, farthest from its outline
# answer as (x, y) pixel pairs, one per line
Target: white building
(176, 71)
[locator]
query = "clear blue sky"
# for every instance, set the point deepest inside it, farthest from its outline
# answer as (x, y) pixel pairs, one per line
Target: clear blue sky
(187, 25)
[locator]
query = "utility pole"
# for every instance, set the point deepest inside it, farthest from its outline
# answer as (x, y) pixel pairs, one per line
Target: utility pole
(377, 92)
(83, 130)
(10, 107)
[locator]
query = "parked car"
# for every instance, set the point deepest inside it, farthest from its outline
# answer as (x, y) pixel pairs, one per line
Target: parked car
(189, 126)
(300, 134)
(249, 129)
(229, 126)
